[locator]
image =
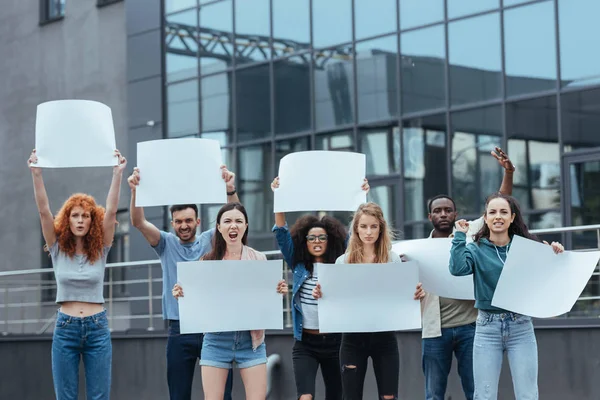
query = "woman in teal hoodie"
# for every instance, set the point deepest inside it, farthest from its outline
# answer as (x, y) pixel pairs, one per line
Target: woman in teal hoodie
(498, 331)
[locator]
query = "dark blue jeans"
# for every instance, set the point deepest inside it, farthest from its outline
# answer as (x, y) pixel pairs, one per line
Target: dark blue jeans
(75, 339)
(437, 361)
(183, 353)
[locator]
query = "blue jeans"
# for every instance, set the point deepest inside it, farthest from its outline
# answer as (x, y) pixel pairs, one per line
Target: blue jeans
(183, 352)
(75, 338)
(512, 334)
(437, 361)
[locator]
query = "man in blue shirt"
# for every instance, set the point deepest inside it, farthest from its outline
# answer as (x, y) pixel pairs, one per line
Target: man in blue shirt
(183, 351)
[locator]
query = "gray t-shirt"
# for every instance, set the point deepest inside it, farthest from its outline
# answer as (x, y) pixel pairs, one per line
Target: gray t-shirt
(76, 278)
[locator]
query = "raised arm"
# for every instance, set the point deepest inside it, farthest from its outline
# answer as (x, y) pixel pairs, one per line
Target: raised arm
(507, 180)
(138, 220)
(41, 200)
(112, 200)
(279, 216)
(229, 178)
(461, 260)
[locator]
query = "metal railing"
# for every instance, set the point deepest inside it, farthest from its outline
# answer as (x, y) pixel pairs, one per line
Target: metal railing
(132, 303)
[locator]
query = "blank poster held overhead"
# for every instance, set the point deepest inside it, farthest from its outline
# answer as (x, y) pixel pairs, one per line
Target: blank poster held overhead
(180, 171)
(74, 133)
(320, 181)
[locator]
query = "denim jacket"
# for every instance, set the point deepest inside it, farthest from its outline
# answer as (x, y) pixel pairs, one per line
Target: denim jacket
(286, 245)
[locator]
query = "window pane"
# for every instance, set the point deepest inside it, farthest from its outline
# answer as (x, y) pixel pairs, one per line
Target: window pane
(253, 170)
(581, 119)
(530, 48)
(417, 230)
(533, 148)
(291, 26)
(292, 96)
(337, 142)
(382, 148)
(425, 163)
(182, 108)
(374, 17)
(252, 30)
(423, 69)
(579, 30)
(253, 96)
(332, 22)
(507, 3)
(458, 8)
(56, 8)
(377, 79)
(181, 48)
(420, 12)
(475, 173)
(216, 103)
(334, 89)
(216, 36)
(475, 60)
(176, 5)
(385, 196)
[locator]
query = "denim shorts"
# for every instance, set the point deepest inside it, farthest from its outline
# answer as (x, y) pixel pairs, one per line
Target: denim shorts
(222, 349)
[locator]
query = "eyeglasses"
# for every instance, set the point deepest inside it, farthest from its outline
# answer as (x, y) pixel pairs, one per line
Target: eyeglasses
(313, 238)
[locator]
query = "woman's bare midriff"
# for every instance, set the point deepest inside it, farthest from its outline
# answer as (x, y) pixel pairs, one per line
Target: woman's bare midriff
(80, 309)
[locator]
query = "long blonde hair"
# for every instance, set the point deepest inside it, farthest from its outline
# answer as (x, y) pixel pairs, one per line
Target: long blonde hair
(383, 244)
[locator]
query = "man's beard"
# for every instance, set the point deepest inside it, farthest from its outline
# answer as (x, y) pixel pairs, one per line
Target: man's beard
(444, 228)
(190, 234)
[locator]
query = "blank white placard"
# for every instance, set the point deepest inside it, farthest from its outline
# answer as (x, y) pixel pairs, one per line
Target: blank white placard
(433, 258)
(320, 181)
(74, 133)
(537, 282)
(368, 297)
(224, 296)
(180, 171)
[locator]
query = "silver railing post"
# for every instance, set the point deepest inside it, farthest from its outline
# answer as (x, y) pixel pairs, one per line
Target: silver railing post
(150, 306)
(288, 316)
(5, 311)
(110, 299)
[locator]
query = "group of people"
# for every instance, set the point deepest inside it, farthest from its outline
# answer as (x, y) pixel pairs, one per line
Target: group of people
(477, 333)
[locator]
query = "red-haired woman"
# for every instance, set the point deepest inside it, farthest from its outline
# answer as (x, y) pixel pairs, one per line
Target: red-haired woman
(79, 239)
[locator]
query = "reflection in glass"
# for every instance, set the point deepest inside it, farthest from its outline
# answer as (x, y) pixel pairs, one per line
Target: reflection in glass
(424, 159)
(291, 26)
(253, 170)
(332, 22)
(374, 17)
(292, 96)
(579, 31)
(181, 49)
(334, 89)
(216, 36)
(530, 48)
(216, 103)
(55, 9)
(182, 108)
(376, 62)
(458, 8)
(253, 97)
(341, 141)
(423, 69)
(581, 119)
(382, 148)
(475, 59)
(534, 150)
(415, 13)
(176, 5)
(585, 197)
(252, 30)
(416, 230)
(385, 196)
(475, 173)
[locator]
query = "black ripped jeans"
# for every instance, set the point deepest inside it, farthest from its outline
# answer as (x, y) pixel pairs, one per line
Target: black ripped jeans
(355, 351)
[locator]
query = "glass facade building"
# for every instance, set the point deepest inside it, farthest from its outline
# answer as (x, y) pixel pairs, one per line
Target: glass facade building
(425, 88)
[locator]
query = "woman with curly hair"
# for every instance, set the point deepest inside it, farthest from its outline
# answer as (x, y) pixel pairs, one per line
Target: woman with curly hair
(246, 348)
(370, 243)
(311, 240)
(78, 240)
(497, 331)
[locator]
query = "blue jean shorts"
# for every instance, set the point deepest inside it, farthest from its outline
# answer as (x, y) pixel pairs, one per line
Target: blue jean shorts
(222, 349)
